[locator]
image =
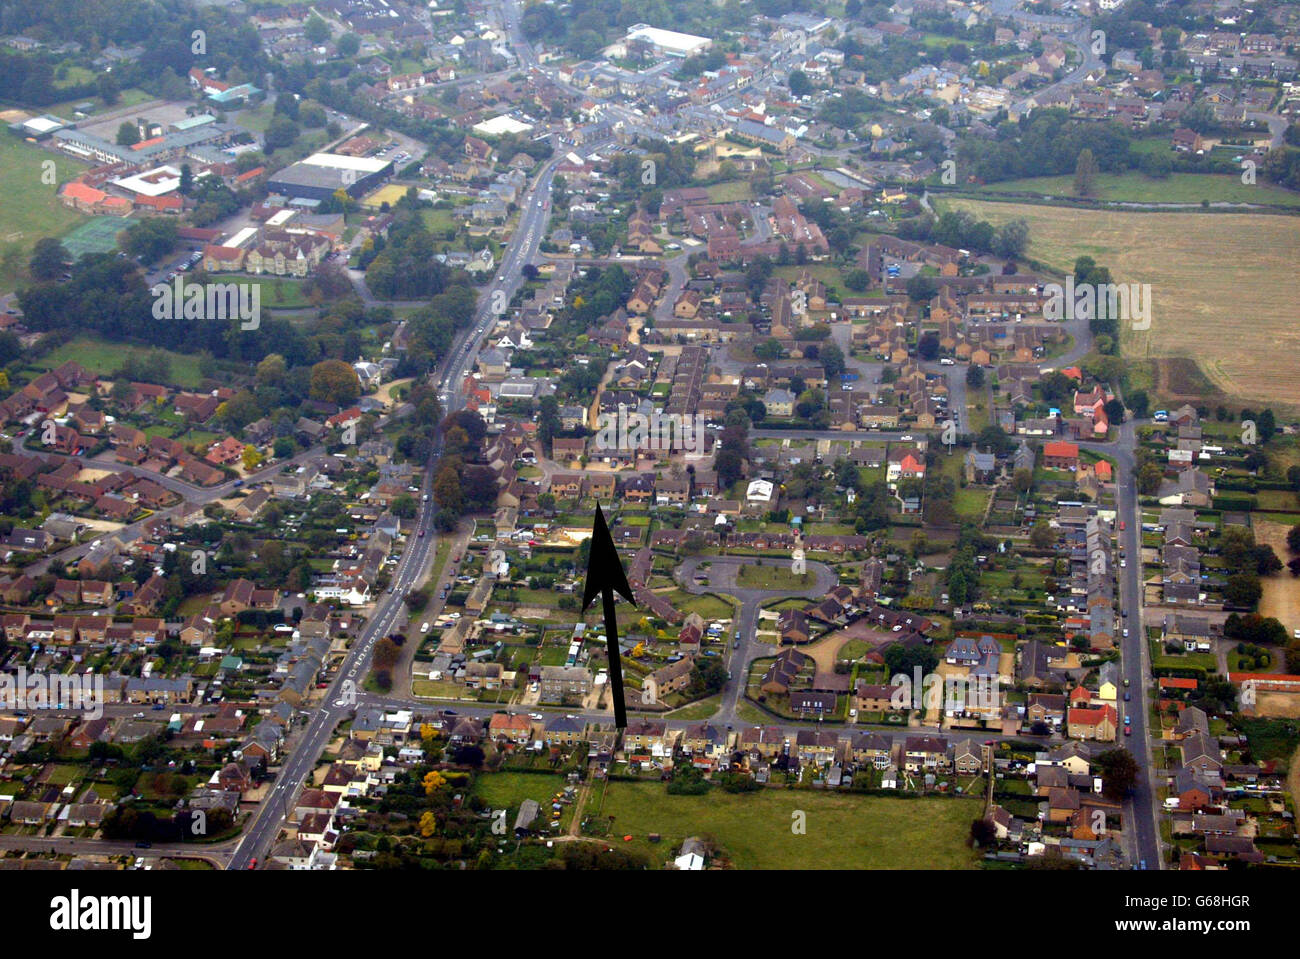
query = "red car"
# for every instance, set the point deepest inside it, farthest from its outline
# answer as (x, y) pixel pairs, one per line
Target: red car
(253, 863)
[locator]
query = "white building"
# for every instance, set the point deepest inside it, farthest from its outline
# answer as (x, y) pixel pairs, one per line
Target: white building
(669, 42)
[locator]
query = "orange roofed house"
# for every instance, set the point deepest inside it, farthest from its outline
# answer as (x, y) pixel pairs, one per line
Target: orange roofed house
(1060, 455)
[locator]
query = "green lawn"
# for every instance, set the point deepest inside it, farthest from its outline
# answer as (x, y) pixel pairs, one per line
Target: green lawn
(102, 358)
(733, 191)
(31, 209)
(278, 292)
(1139, 188)
(700, 710)
(843, 830)
(508, 790)
(770, 576)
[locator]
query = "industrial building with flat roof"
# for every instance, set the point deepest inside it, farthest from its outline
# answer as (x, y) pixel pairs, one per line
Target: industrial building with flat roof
(320, 175)
(669, 42)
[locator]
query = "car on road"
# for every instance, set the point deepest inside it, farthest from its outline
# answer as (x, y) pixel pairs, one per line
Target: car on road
(906, 437)
(421, 532)
(252, 863)
(424, 627)
(1127, 696)
(1125, 682)
(535, 716)
(1126, 632)
(1128, 730)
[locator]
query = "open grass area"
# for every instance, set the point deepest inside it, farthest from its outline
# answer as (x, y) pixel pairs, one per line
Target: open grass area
(698, 710)
(1138, 188)
(733, 191)
(102, 358)
(774, 576)
(278, 292)
(31, 208)
(844, 830)
(1223, 286)
(506, 790)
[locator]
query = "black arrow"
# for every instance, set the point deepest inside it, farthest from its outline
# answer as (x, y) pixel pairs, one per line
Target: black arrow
(605, 576)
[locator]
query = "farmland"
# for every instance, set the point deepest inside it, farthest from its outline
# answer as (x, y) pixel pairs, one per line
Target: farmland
(1223, 285)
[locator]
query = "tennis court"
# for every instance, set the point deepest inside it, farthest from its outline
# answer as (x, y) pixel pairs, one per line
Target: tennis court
(97, 235)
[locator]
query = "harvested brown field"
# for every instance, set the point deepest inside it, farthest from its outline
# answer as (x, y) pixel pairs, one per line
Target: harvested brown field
(1278, 705)
(1281, 598)
(1224, 287)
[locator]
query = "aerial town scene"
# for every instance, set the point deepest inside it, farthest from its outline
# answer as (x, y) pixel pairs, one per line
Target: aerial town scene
(709, 435)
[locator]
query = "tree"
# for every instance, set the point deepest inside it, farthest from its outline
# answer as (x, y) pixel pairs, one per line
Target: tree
(316, 30)
(832, 358)
(975, 376)
(334, 381)
(857, 280)
(1011, 239)
(1119, 773)
(800, 85)
(150, 239)
(1041, 535)
(128, 134)
(106, 83)
(49, 259)
(921, 288)
(1293, 538)
(251, 458)
(1243, 590)
(1085, 174)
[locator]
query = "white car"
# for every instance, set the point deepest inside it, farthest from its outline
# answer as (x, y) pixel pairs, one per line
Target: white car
(535, 716)
(906, 437)
(424, 628)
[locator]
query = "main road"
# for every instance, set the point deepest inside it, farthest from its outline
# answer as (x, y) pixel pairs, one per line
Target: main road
(343, 694)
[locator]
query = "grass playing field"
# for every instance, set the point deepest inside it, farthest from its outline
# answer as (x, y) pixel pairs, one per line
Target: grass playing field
(843, 830)
(1224, 286)
(31, 208)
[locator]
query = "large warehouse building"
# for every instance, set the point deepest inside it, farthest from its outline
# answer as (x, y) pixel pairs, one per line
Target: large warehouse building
(322, 174)
(669, 42)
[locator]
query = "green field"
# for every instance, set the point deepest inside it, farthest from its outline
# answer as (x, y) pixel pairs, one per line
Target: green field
(843, 830)
(102, 358)
(279, 293)
(774, 577)
(1139, 188)
(31, 208)
(510, 789)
